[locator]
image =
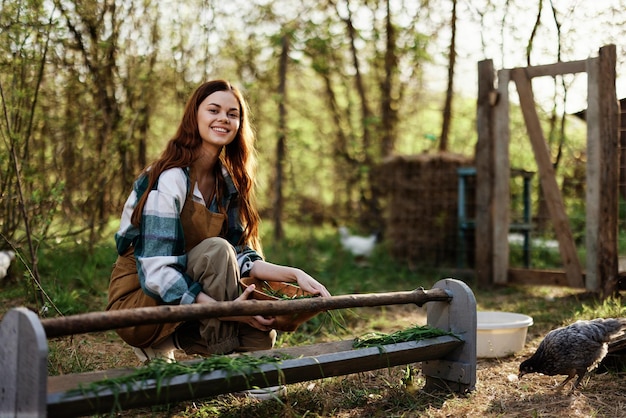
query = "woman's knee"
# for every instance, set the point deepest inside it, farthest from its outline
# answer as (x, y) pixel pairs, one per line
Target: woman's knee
(214, 245)
(211, 251)
(213, 263)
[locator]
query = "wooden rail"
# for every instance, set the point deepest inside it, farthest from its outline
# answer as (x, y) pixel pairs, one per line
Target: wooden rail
(447, 362)
(102, 321)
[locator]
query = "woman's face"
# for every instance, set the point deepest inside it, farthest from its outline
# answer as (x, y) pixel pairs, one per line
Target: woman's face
(219, 118)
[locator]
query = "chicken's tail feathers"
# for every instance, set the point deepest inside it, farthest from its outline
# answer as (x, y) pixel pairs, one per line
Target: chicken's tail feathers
(614, 326)
(618, 323)
(601, 329)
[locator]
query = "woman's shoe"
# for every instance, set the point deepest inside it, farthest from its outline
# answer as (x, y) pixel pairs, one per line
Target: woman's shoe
(263, 394)
(149, 353)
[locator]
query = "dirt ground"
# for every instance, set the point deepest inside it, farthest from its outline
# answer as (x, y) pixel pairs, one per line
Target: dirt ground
(498, 392)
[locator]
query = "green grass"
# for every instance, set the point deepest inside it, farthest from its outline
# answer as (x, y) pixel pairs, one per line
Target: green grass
(77, 281)
(319, 253)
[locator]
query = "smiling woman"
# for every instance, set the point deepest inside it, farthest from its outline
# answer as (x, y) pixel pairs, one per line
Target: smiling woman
(218, 121)
(189, 232)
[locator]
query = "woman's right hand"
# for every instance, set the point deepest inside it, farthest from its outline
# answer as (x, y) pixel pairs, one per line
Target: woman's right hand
(259, 322)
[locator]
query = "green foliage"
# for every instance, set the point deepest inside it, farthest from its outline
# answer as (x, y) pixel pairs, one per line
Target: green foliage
(611, 307)
(317, 251)
(76, 278)
(414, 333)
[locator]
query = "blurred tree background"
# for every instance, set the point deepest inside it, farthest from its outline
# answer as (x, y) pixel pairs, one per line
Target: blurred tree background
(90, 91)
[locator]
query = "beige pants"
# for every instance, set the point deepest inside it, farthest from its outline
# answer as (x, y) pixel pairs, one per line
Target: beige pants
(213, 263)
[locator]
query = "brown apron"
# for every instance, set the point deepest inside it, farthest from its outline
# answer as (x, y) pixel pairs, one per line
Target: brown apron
(124, 289)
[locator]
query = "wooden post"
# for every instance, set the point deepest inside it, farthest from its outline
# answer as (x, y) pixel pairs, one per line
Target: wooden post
(501, 188)
(602, 173)
(457, 370)
(23, 365)
(484, 161)
(592, 190)
(567, 248)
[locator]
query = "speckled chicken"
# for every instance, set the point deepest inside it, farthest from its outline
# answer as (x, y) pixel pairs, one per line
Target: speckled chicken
(573, 350)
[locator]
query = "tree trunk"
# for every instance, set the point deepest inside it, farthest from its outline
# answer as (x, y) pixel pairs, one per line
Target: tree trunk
(280, 144)
(447, 108)
(388, 110)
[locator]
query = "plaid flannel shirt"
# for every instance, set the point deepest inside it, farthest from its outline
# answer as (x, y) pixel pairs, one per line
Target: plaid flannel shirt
(159, 241)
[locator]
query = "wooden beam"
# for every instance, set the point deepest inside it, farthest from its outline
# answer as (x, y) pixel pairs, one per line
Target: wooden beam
(609, 172)
(501, 177)
(559, 68)
(102, 321)
(549, 185)
(534, 277)
(484, 161)
(592, 173)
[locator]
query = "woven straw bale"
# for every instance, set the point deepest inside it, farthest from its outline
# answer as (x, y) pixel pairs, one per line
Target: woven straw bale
(422, 197)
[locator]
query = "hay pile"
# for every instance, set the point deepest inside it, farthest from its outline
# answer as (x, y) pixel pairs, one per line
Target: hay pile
(422, 201)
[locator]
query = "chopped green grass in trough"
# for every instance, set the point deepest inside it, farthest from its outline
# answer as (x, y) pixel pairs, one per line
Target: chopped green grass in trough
(161, 371)
(416, 333)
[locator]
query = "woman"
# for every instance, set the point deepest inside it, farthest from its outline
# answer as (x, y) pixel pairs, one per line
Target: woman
(190, 229)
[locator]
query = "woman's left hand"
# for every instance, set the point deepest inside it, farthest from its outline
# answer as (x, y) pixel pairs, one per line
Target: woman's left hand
(309, 284)
(274, 272)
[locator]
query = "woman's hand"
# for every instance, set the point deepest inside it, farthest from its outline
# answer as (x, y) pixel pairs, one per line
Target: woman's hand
(259, 322)
(274, 272)
(309, 284)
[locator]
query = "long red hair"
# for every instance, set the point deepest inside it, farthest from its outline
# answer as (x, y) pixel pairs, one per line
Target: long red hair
(239, 158)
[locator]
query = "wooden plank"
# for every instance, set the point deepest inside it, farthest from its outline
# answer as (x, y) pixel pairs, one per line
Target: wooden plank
(295, 370)
(453, 371)
(607, 260)
(501, 187)
(457, 369)
(23, 365)
(484, 161)
(592, 186)
(72, 381)
(533, 277)
(559, 68)
(552, 194)
(65, 382)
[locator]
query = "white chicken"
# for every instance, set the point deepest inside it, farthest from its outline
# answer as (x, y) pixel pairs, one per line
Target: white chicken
(359, 246)
(6, 258)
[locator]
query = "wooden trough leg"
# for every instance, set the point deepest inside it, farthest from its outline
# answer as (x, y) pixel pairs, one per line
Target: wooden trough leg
(23, 365)
(457, 371)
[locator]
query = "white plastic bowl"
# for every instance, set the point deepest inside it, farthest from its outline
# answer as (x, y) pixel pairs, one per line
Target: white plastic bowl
(500, 334)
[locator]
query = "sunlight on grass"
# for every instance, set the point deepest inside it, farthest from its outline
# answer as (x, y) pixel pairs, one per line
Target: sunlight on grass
(77, 281)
